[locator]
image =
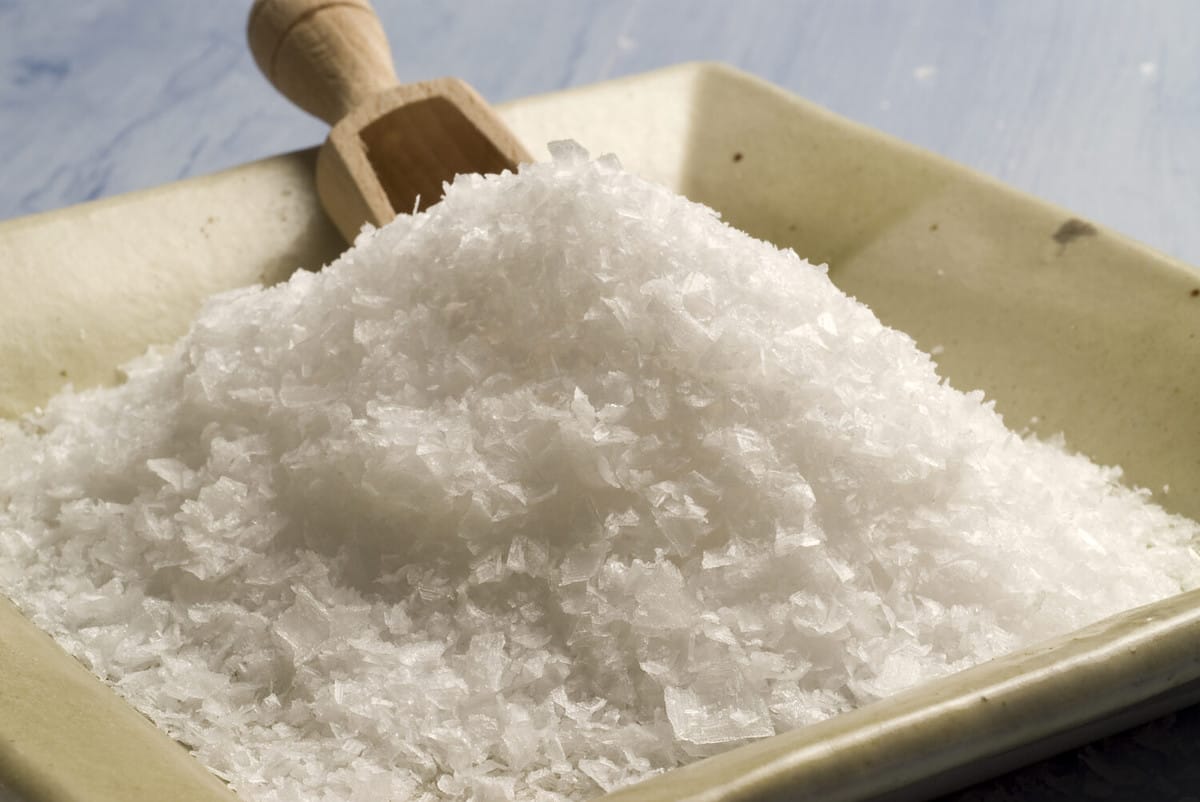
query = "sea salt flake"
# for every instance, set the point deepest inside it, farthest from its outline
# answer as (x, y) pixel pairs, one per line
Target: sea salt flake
(582, 563)
(171, 471)
(717, 709)
(556, 486)
(304, 626)
(603, 772)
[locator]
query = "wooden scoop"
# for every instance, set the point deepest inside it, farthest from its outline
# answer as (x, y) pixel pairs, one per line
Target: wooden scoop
(392, 146)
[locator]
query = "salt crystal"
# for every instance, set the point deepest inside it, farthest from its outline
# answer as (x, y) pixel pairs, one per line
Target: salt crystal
(582, 563)
(604, 772)
(556, 486)
(717, 709)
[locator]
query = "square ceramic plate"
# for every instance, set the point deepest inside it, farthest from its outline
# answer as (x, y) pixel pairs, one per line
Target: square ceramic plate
(1070, 328)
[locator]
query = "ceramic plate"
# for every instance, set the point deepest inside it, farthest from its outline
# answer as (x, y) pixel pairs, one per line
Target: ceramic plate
(1069, 327)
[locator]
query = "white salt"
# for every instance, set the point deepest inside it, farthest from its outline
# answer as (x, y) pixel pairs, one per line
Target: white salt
(556, 486)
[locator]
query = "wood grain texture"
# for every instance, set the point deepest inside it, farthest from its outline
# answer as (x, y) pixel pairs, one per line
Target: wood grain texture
(326, 56)
(395, 151)
(393, 147)
(1095, 106)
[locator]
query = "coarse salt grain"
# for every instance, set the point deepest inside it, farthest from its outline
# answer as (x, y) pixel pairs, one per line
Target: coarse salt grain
(556, 486)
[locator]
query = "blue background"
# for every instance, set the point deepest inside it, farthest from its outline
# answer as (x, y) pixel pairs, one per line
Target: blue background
(1093, 105)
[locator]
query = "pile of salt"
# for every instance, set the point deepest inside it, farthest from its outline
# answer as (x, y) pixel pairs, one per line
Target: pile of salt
(553, 487)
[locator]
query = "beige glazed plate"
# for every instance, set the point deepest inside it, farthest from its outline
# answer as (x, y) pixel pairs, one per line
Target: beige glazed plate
(1070, 328)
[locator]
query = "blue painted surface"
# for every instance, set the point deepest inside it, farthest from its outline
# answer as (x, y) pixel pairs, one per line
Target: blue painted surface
(1093, 105)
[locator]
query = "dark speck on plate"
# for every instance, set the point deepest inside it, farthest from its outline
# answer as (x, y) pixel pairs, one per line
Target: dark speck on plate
(1072, 230)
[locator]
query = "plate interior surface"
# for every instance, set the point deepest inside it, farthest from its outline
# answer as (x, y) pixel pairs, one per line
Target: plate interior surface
(1072, 329)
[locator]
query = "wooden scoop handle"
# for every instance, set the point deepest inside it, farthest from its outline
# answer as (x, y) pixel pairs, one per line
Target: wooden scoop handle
(327, 56)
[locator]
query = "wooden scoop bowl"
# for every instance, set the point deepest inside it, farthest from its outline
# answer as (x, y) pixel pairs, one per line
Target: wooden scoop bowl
(391, 146)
